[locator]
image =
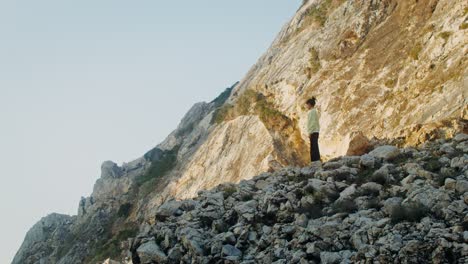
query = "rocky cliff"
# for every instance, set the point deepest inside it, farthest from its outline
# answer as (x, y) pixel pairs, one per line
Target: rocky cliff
(390, 71)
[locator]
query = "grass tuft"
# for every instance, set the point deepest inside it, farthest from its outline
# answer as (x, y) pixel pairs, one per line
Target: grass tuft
(159, 167)
(415, 51)
(463, 26)
(445, 35)
(390, 83)
(124, 210)
(314, 63)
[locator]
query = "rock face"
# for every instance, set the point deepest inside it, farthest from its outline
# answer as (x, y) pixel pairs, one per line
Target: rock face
(383, 68)
(238, 149)
(43, 240)
(386, 73)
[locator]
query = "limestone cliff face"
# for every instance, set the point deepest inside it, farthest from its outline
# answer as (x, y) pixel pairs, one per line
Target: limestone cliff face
(235, 150)
(392, 70)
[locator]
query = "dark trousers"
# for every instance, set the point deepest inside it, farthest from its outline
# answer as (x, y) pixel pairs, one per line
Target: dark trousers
(314, 147)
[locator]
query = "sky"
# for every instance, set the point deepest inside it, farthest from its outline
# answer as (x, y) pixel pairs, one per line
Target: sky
(86, 81)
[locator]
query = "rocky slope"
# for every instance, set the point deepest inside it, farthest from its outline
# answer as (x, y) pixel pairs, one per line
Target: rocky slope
(390, 71)
(388, 206)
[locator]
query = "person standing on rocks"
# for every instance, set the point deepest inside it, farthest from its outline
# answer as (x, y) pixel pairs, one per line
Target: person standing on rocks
(313, 129)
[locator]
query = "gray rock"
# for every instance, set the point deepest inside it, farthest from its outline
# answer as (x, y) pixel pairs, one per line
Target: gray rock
(461, 186)
(367, 161)
(387, 153)
(444, 161)
(175, 253)
(447, 148)
(150, 252)
(110, 170)
(412, 168)
(193, 240)
(336, 257)
(463, 147)
(261, 184)
(348, 193)
(459, 162)
(332, 165)
(390, 204)
(309, 171)
(433, 198)
(371, 187)
(247, 209)
(314, 248)
(385, 172)
(391, 241)
(460, 137)
(359, 238)
(229, 250)
(450, 184)
(302, 220)
(406, 182)
(215, 199)
(416, 169)
(168, 209)
(229, 238)
(252, 236)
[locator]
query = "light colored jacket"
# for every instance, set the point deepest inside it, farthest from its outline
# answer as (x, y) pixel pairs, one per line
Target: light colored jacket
(313, 121)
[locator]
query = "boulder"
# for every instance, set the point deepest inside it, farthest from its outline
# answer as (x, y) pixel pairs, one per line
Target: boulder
(462, 146)
(309, 171)
(168, 209)
(193, 239)
(459, 162)
(229, 238)
(150, 252)
(230, 251)
(175, 254)
(461, 186)
(390, 204)
(348, 193)
(261, 184)
(385, 173)
(371, 187)
(412, 168)
(358, 144)
(387, 152)
(367, 161)
(336, 257)
(247, 209)
(450, 184)
(332, 165)
(461, 137)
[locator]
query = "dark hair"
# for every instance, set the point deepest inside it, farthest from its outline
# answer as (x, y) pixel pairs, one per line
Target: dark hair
(311, 101)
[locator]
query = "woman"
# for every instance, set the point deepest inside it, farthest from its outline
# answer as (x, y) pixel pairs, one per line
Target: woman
(313, 129)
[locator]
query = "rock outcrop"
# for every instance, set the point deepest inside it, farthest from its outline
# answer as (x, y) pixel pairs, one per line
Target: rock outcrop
(44, 240)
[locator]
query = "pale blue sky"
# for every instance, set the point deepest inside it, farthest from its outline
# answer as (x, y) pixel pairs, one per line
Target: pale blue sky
(86, 81)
